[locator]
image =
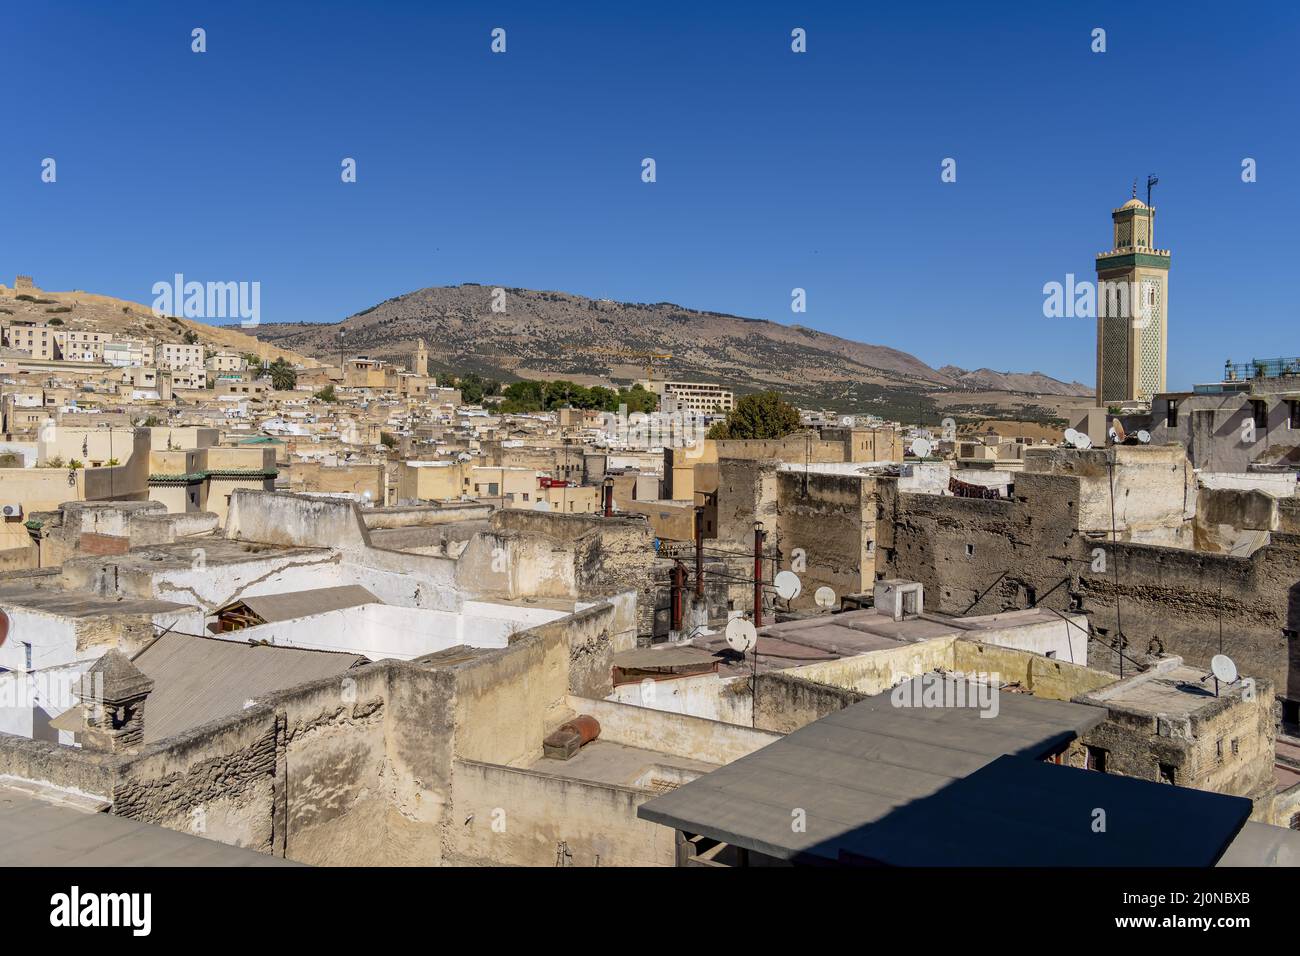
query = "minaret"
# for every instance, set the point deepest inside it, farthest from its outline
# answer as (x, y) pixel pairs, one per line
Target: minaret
(1132, 308)
(420, 364)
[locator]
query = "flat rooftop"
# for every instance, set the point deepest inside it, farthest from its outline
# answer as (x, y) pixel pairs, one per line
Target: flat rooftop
(607, 762)
(1177, 690)
(827, 637)
(218, 552)
(34, 832)
(79, 603)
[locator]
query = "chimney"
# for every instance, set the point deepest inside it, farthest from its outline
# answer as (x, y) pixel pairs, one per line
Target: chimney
(112, 694)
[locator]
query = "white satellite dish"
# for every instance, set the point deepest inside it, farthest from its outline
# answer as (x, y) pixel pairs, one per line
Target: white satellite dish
(825, 597)
(1114, 435)
(1144, 437)
(1077, 439)
(788, 585)
(1222, 667)
(921, 447)
(741, 635)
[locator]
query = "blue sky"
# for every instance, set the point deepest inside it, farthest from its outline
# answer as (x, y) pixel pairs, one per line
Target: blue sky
(774, 170)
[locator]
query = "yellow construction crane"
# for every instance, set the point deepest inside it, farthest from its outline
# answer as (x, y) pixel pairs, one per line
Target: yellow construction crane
(648, 357)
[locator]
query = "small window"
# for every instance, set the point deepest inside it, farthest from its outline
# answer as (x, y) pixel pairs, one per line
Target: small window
(1095, 759)
(970, 550)
(1167, 773)
(1218, 748)
(1236, 746)
(1293, 413)
(1259, 409)
(1171, 414)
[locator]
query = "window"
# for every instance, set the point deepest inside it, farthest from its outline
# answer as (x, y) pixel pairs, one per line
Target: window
(970, 550)
(1236, 746)
(1171, 414)
(1218, 748)
(1095, 759)
(1291, 712)
(1167, 773)
(1259, 409)
(1293, 413)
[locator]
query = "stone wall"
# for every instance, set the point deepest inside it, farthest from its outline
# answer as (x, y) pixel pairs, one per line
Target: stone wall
(831, 519)
(979, 557)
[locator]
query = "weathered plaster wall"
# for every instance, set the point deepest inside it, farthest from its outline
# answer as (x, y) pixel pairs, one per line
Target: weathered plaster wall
(547, 820)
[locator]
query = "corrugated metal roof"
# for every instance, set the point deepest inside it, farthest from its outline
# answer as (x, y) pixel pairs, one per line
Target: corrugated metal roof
(294, 604)
(198, 679)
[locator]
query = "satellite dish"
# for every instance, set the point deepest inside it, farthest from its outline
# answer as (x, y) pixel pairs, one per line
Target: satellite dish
(788, 585)
(1077, 439)
(825, 597)
(1144, 436)
(921, 447)
(1222, 667)
(741, 635)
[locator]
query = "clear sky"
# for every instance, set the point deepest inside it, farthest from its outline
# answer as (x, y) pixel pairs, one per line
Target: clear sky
(775, 170)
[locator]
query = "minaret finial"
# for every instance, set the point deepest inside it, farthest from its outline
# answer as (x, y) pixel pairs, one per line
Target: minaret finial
(1135, 189)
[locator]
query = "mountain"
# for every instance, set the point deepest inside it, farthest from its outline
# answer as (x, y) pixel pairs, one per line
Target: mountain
(558, 335)
(987, 379)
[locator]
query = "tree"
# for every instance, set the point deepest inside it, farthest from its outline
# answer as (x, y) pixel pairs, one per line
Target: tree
(388, 439)
(283, 377)
(637, 399)
(326, 394)
(471, 389)
(761, 415)
(191, 337)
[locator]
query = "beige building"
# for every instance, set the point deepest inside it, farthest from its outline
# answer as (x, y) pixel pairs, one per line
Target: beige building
(1132, 309)
(41, 341)
(203, 479)
(225, 362)
(177, 356)
(85, 346)
(700, 397)
(431, 480)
